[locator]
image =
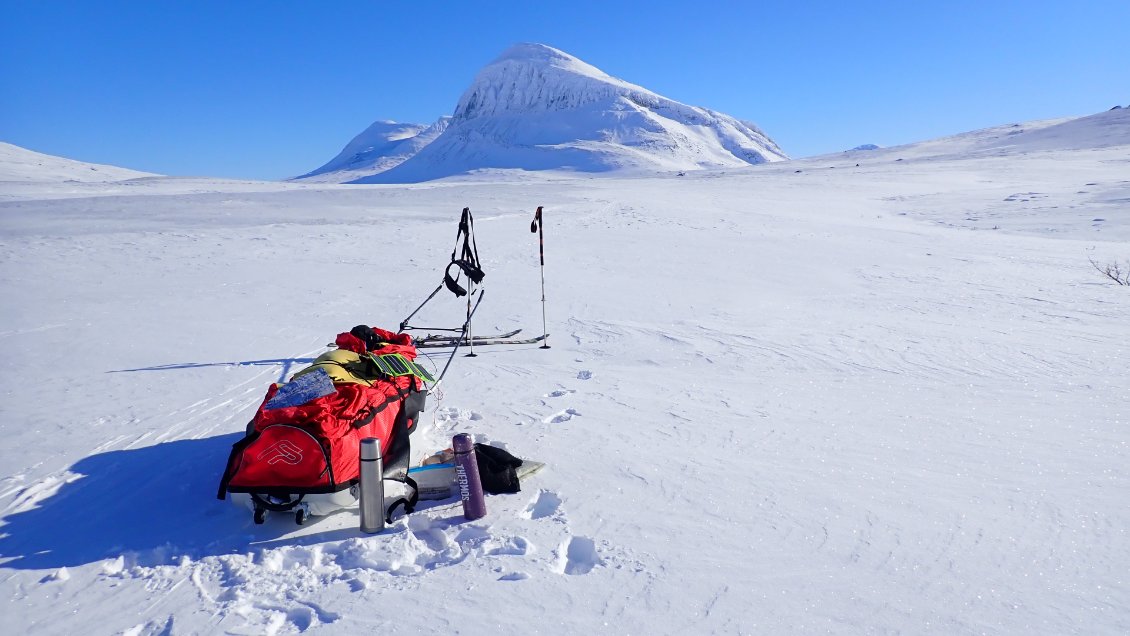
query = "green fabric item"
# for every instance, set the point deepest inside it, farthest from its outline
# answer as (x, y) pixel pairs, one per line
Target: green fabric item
(396, 365)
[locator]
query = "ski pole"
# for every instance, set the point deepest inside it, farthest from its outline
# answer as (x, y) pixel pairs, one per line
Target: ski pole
(536, 227)
(404, 323)
(458, 342)
(467, 328)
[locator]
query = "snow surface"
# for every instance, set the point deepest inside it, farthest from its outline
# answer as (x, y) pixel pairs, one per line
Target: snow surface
(800, 397)
(538, 108)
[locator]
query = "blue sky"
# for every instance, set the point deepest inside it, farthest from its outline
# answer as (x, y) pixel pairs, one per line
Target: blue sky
(254, 89)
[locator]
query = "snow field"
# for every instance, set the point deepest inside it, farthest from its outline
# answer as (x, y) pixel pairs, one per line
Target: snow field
(834, 400)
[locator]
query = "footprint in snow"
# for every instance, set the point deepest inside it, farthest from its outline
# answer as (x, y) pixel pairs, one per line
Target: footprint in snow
(544, 504)
(452, 414)
(510, 546)
(562, 416)
(584, 375)
(577, 555)
(560, 393)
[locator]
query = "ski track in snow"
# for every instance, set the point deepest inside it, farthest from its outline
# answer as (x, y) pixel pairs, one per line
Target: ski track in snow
(846, 404)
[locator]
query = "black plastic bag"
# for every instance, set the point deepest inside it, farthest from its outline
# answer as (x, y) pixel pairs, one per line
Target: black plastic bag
(497, 469)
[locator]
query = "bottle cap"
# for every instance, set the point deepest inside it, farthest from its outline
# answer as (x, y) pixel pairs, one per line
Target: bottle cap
(370, 449)
(462, 443)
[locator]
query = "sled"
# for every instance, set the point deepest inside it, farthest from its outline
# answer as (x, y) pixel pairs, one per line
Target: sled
(301, 452)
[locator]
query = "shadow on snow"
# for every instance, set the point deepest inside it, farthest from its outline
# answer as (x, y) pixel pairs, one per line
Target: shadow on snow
(286, 364)
(152, 504)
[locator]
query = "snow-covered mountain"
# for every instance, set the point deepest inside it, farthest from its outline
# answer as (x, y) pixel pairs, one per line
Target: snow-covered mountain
(538, 108)
(22, 165)
(384, 145)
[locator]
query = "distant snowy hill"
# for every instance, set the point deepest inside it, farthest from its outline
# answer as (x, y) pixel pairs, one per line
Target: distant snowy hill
(1101, 130)
(22, 165)
(384, 145)
(538, 108)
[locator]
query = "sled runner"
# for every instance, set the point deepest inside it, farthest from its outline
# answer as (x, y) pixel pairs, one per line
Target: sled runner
(301, 451)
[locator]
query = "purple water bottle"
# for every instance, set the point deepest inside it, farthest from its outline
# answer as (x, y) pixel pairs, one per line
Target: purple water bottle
(467, 478)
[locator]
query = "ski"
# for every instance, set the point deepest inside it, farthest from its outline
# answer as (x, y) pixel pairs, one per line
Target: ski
(430, 338)
(477, 342)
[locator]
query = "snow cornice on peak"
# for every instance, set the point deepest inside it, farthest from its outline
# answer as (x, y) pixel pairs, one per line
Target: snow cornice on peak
(540, 78)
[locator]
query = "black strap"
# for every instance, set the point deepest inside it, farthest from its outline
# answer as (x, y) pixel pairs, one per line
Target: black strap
(452, 282)
(400, 453)
(470, 257)
(465, 256)
(409, 503)
(366, 417)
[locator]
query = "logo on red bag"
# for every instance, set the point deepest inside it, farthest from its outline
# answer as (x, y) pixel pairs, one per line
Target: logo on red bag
(281, 451)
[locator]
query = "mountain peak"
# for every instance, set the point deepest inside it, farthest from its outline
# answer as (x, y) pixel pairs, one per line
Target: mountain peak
(534, 54)
(538, 77)
(535, 107)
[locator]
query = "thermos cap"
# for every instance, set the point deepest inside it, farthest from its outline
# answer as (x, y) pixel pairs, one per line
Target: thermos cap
(462, 443)
(370, 449)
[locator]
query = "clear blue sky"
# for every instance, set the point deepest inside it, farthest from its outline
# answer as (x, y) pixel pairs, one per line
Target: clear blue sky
(248, 88)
